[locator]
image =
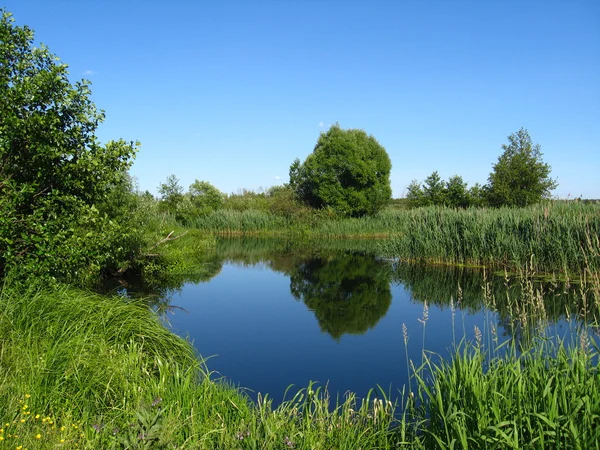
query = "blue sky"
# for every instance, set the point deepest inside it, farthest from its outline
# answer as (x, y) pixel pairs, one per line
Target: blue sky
(232, 92)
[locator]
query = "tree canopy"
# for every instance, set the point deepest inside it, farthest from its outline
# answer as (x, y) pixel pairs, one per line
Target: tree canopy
(520, 177)
(348, 171)
(54, 175)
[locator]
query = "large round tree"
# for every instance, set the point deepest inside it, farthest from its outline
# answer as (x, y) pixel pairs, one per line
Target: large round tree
(348, 171)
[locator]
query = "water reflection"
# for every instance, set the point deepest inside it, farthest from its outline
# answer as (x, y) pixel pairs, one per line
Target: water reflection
(347, 286)
(348, 293)
(279, 313)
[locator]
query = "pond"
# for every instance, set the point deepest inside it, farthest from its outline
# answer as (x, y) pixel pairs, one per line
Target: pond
(270, 315)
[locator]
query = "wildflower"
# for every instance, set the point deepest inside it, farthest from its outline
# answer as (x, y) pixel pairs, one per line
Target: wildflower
(1, 438)
(38, 436)
(37, 416)
(156, 401)
(27, 396)
(289, 443)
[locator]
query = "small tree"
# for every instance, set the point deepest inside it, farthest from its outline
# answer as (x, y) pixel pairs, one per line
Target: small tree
(434, 189)
(171, 194)
(348, 172)
(520, 177)
(415, 195)
(456, 193)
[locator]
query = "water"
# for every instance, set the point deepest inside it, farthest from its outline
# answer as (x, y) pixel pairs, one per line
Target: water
(275, 316)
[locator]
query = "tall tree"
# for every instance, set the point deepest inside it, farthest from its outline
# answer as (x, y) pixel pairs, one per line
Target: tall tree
(520, 177)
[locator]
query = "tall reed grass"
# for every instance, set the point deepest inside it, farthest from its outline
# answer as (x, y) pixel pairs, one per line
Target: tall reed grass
(545, 237)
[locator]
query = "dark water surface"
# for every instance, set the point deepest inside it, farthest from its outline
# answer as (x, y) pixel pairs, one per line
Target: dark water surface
(275, 316)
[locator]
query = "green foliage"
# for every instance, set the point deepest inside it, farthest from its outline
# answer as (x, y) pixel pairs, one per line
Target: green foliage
(434, 190)
(520, 177)
(348, 172)
(171, 194)
(54, 175)
(437, 192)
(348, 293)
(205, 197)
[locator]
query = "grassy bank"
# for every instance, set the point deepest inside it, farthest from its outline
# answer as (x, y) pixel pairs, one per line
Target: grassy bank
(549, 237)
(318, 224)
(85, 371)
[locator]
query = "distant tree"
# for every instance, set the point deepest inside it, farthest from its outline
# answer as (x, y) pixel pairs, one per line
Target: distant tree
(55, 177)
(456, 194)
(348, 172)
(171, 194)
(434, 190)
(415, 195)
(205, 197)
(477, 195)
(520, 177)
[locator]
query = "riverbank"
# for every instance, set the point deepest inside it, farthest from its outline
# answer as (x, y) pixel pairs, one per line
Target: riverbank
(551, 237)
(82, 370)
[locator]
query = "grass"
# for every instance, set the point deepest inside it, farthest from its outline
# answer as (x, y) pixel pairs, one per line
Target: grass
(548, 237)
(80, 370)
(319, 224)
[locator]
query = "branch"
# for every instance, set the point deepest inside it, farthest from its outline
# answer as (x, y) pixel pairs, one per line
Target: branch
(167, 239)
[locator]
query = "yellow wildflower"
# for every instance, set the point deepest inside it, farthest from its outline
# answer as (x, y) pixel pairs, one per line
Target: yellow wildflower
(38, 436)
(27, 396)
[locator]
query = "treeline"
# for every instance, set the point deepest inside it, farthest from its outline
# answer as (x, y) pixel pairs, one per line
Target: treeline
(519, 178)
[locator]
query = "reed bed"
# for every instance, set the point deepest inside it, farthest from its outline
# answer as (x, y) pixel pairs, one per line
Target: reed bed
(318, 224)
(546, 237)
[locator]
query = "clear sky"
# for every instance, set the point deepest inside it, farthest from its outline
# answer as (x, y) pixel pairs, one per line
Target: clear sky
(231, 92)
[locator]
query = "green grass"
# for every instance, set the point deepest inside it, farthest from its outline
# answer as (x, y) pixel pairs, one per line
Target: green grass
(548, 237)
(319, 224)
(80, 370)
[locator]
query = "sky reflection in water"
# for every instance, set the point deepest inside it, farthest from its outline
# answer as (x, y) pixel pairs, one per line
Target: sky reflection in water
(334, 318)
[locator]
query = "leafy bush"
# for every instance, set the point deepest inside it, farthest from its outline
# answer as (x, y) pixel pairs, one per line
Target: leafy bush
(54, 175)
(348, 172)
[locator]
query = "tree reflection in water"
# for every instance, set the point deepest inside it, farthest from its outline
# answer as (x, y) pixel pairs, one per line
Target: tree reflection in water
(348, 293)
